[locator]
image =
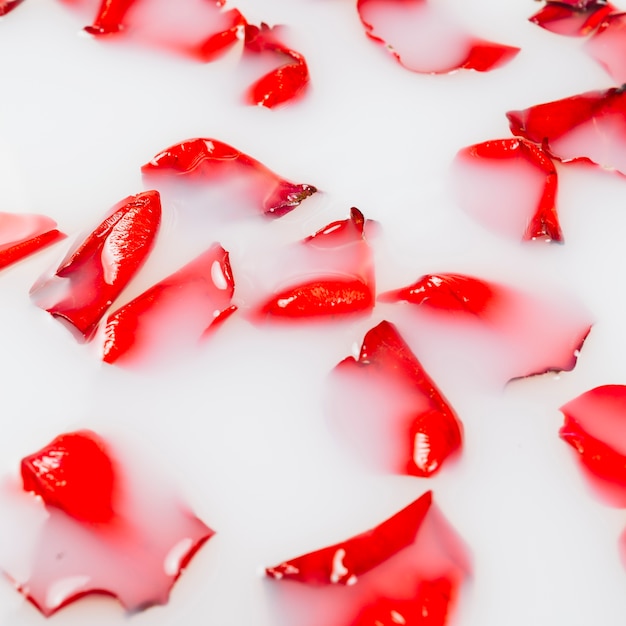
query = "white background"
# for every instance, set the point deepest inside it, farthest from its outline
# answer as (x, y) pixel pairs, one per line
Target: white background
(241, 427)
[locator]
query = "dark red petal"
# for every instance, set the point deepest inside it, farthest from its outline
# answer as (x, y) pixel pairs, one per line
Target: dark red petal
(387, 406)
(22, 235)
(595, 426)
(412, 564)
(424, 39)
(608, 46)
(112, 525)
(510, 185)
(74, 474)
(573, 18)
(6, 6)
(503, 333)
(209, 161)
(589, 127)
(95, 272)
(286, 82)
(176, 311)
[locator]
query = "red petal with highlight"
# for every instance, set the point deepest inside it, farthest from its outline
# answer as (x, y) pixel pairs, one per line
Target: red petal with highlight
(409, 567)
(575, 18)
(208, 161)
(177, 311)
(94, 272)
(23, 234)
(387, 406)
(589, 127)
(424, 39)
(510, 184)
(595, 426)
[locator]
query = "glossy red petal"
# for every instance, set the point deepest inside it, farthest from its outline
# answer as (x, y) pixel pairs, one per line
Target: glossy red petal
(608, 46)
(409, 567)
(286, 82)
(424, 39)
(595, 426)
(340, 258)
(95, 271)
(499, 332)
(104, 522)
(388, 408)
(200, 29)
(511, 186)
(589, 127)
(176, 312)
(24, 234)
(211, 162)
(575, 18)
(6, 6)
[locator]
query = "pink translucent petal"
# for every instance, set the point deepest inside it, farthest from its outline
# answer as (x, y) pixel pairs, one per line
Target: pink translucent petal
(407, 570)
(173, 314)
(219, 174)
(283, 84)
(200, 29)
(509, 185)
(494, 331)
(386, 407)
(595, 426)
(588, 127)
(136, 556)
(328, 274)
(425, 39)
(608, 46)
(575, 18)
(24, 234)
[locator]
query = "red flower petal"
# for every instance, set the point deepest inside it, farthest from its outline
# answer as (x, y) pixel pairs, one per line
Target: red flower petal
(177, 311)
(595, 426)
(111, 526)
(575, 18)
(589, 127)
(201, 29)
(424, 39)
(94, 272)
(22, 235)
(608, 46)
(501, 332)
(6, 6)
(407, 568)
(510, 185)
(340, 255)
(389, 409)
(211, 162)
(286, 82)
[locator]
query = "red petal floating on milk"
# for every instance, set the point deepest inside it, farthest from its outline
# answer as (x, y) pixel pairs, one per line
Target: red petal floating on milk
(575, 18)
(425, 39)
(608, 46)
(386, 406)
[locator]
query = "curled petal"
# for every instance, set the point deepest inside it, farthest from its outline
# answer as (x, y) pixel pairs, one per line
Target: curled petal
(424, 39)
(575, 18)
(589, 127)
(387, 406)
(177, 311)
(409, 566)
(511, 185)
(23, 234)
(96, 270)
(212, 162)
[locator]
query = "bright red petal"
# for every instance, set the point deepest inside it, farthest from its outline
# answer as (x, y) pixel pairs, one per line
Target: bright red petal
(95, 272)
(409, 567)
(6, 6)
(511, 186)
(175, 312)
(595, 426)
(589, 127)
(424, 39)
(388, 408)
(23, 234)
(575, 18)
(209, 162)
